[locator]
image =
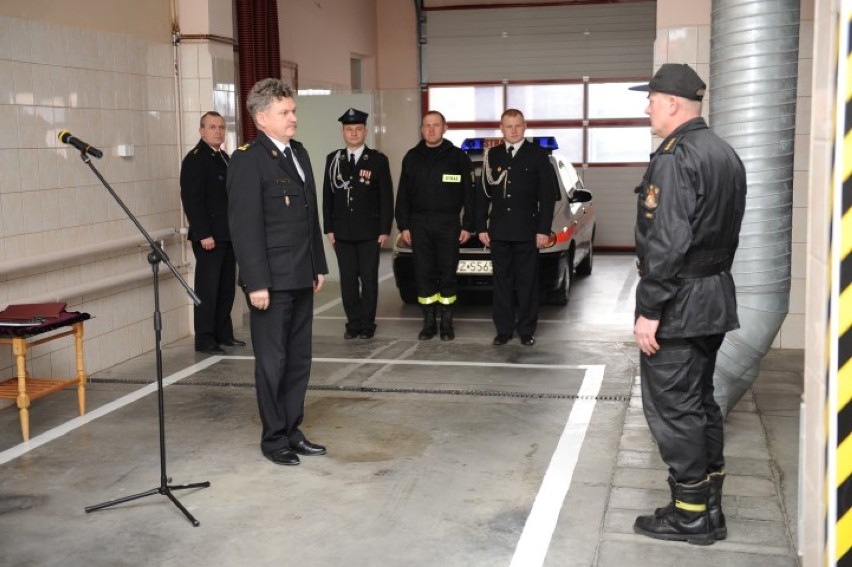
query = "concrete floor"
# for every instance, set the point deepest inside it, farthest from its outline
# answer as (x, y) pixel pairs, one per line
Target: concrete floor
(440, 453)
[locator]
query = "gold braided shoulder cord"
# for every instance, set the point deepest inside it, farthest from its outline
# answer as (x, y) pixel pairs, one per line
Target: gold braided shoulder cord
(337, 181)
(488, 179)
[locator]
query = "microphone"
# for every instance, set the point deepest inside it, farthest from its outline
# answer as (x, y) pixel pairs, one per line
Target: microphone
(66, 138)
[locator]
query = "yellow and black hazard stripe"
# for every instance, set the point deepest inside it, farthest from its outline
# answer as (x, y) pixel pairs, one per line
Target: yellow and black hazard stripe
(842, 267)
(844, 370)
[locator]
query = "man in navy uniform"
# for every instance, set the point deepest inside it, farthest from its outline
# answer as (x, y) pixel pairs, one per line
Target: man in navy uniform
(690, 208)
(272, 209)
(357, 216)
(205, 202)
(435, 187)
(520, 185)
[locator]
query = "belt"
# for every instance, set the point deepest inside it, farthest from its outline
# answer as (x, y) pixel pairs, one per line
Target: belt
(705, 268)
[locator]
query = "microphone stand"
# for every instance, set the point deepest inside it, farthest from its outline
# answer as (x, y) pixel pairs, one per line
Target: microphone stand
(155, 256)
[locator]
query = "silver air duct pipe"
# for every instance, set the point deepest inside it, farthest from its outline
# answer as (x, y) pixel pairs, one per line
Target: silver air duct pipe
(754, 59)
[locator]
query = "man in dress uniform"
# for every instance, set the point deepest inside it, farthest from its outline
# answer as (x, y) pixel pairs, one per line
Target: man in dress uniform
(435, 187)
(520, 185)
(689, 211)
(272, 208)
(205, 202)
(357, 216)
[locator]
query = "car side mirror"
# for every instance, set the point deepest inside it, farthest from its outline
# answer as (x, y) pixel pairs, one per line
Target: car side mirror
(580, 196)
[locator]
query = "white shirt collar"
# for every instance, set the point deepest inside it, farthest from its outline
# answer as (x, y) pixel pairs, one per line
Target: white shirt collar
(357, 152)
(281, 146)
(516, 145)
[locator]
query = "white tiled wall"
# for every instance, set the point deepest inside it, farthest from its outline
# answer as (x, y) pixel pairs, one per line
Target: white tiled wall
(107, 89)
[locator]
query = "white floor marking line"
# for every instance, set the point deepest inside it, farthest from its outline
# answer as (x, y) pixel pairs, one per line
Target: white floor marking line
(538, 531)
(458, 319)
(338, 301)
(403, 361)
(68, 426)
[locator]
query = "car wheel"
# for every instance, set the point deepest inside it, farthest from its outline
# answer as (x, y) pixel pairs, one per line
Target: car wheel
(560, 295)
(584, 268)
(408, 295)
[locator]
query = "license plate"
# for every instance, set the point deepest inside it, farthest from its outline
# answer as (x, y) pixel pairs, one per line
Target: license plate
(474, 267)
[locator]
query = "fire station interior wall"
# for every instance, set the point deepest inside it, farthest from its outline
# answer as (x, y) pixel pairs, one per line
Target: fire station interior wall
(322, 38)
(104, 70)
(551, 43)
(324, 136)
(150, 20)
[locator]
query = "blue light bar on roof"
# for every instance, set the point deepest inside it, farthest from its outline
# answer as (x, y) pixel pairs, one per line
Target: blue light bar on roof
(480, 144)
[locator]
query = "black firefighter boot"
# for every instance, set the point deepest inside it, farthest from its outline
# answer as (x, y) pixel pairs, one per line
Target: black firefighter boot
(447, 332)
(686, 520)
(430, 326)
(714, 505)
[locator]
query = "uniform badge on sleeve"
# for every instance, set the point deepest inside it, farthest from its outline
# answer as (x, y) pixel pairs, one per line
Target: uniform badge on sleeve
(652, 198)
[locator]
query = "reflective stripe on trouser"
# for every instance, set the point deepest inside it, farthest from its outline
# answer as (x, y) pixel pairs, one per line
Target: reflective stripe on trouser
(677, 398)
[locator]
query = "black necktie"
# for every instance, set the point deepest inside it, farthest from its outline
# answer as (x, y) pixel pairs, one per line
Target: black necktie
(511, 151)
(294, 171)
(352, 161)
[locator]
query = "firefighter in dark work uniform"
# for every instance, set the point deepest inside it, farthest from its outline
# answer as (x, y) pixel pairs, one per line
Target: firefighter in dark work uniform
(357, 216)
(690, 208)
(435, 186)
(205, 202)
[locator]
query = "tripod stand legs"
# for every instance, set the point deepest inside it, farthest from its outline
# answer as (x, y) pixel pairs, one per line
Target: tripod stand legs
(165, 489)
(155, 256)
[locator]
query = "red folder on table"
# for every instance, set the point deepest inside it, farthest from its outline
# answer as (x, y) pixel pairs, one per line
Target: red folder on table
(30, 313)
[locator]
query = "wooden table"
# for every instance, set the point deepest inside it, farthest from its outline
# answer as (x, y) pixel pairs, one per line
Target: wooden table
(23, 389)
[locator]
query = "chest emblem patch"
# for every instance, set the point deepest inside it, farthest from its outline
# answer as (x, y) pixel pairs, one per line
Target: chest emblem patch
(652, 197)
(450, 178)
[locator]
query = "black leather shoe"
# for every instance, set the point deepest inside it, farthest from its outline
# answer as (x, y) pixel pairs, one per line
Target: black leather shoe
(350, 334)
(308, 449)
(233, 342)
(500, 339)
(527, 340)
(366, 334)
(215, 349)
(285, 456)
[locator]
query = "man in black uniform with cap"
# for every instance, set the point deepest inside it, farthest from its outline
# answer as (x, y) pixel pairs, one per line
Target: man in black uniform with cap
(205, 202)
(435, 186)
(519, 184)
(272, 209)
(690, 208)
(357, 216)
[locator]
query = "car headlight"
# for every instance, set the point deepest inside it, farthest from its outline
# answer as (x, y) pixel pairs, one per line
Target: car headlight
(551, 240)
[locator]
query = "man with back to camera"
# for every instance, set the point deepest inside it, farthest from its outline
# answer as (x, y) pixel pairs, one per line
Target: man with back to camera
(357, 216)
(205, 202)
(435, 186)
(272, 206)
(520, 186)
(689, 211)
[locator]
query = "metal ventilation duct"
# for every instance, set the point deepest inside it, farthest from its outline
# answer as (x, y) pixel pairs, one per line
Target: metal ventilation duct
(754, 59)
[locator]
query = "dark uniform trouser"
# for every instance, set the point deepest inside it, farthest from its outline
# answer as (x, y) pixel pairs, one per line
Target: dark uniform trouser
(677, 397)
(515, 267)
(359, 282)
(281, 337)
(435, 243)
(215, 277)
